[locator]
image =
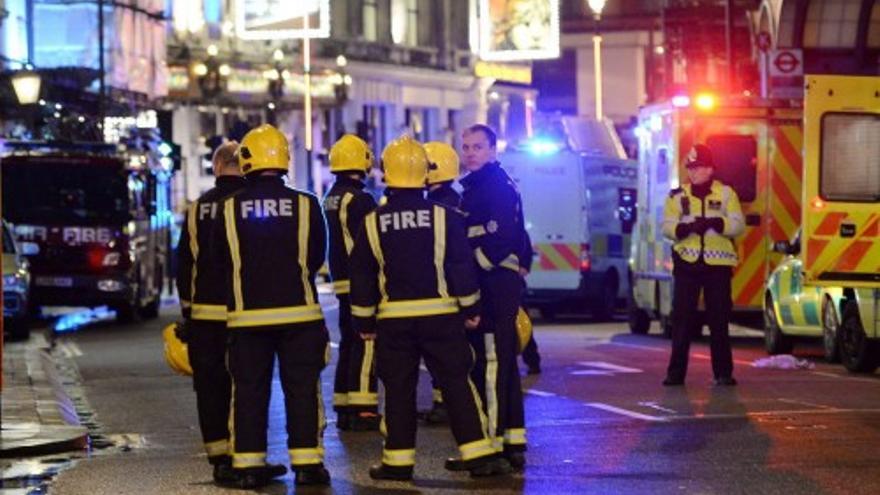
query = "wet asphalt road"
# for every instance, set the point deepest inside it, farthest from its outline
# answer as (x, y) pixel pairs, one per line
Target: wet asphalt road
(598, 422)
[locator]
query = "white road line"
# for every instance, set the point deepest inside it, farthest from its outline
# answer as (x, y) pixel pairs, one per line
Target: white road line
(654, 405)
(74, 347)
(846, 377)
(592, 373)
(805, 403)
(636, 346)
(609, 366)
(540, 393)
(709, 358)
(624, 412)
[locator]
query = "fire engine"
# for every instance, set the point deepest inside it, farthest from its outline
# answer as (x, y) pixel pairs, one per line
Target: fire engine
(100, 216)
(756, 144)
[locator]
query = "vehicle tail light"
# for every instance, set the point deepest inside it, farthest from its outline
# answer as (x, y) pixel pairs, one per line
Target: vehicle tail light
(585, 263)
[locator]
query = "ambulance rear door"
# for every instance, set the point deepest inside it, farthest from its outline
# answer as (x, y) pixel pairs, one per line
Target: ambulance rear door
(841, 202)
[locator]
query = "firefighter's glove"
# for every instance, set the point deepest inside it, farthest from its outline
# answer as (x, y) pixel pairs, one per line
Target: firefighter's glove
(183, 330)
(716, 224)
(683, 229)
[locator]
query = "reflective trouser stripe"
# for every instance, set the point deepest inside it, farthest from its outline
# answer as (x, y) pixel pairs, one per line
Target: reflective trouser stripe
(209, 312)
(275, 316)
(340, 399)
(363, 311)
(479, 448)
(364, 397)
(219, 447)
(437, 395)
(249, 459)
(306, 456)
(476, 231)
(342, 286)
(491, 381)
(483, 260)
(402, 457)
(515, 436)
(470, 300)
(417, 307)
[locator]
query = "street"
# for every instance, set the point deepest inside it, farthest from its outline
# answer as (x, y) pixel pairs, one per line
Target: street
(598, 422)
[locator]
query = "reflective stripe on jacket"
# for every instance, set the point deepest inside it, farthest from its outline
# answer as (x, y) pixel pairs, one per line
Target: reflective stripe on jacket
(716, 248)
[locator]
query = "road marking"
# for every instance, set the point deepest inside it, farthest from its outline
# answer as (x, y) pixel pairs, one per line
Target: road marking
(636, 346)
(591, 373)
(846, 377)
(70, 349)
(540, 393)
(805, 403)
(709, 358)
(608, 366)
(654, 405)
(624, 412)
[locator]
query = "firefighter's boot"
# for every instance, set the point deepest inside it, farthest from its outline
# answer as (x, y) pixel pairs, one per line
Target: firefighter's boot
(365, 421)
(393, 473)
(490, 466)
(311, 475)
(255, 477)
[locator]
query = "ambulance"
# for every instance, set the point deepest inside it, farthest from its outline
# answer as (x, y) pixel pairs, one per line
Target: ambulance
(579, 205)
(756, 145)
(840, 246)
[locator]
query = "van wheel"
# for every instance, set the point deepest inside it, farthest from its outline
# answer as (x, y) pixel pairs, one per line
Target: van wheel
(858, 353)
(775, 342)
(606, 303)
(829, 332)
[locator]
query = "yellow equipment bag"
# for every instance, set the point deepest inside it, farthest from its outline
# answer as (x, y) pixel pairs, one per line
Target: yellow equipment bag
(176, 354)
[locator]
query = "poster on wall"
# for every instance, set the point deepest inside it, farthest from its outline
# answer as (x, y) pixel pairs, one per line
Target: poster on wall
(519, 29)
(282, 19)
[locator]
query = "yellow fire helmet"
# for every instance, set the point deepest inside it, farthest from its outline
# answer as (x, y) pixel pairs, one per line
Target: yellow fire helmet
(176, 354)
(350, 154)
(405, 164)
(445, 161)
(263, 148)
(523, 329)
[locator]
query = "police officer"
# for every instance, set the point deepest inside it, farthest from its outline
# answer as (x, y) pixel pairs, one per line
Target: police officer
(203, 302)
(495, 229)
(702, 218)
(413, 286)
(442, 172)
(275, 242)
(355, 399)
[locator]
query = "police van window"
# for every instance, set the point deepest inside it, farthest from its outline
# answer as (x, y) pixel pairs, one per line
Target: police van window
(850, 167)
(736, 163)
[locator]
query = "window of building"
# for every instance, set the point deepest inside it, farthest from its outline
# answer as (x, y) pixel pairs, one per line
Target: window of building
(850, 167)
(370, 20)
(405, 22)
(832, 24)
(874, 27)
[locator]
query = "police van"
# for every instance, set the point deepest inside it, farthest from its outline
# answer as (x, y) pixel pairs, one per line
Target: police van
(579, 204)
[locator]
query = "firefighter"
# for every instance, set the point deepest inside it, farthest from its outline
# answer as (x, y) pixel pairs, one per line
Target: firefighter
(355, 399)
(413, 289)
(443, 170)
(203, 303)
(702, 218)
(496, 233)
(274, 242)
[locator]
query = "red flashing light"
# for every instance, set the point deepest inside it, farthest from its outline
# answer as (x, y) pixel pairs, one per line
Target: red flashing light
(818, 204)
(585, 263)
(706, 101)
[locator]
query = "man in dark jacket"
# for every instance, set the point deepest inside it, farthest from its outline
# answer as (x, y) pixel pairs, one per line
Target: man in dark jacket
(203, 303)
(497, 236)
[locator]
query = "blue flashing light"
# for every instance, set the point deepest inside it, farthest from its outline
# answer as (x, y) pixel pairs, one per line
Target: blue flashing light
(164, 148)
(543, 147)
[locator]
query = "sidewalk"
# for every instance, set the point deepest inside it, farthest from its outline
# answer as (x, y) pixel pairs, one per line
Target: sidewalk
(38, 418)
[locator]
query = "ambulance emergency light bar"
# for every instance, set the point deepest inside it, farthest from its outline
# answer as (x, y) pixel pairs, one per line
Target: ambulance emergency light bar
(703, 101)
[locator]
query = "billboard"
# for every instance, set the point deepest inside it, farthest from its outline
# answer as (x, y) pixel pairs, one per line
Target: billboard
(282, 19)
(519, 29)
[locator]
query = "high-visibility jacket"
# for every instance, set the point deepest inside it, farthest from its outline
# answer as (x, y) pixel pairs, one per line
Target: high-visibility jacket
(411, 259)
(345, 205)
(715, 248)
(494, 218)
(199, 282)
(274, 243)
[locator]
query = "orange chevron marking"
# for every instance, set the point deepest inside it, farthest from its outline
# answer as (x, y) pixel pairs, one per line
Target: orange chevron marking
(830, 224)
(814, 250)
(752, 287)
(791, 205)
(853, 255)
(791, 155)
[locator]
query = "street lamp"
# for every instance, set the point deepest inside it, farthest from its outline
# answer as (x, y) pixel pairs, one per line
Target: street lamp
(27, 84)
(596, 6)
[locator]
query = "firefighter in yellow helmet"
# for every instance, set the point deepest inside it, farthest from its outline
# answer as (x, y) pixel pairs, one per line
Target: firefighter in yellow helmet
(702, 218)
(355, 399)
(443, 172)
(413, 289)
(273, 242)
(203, 303)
